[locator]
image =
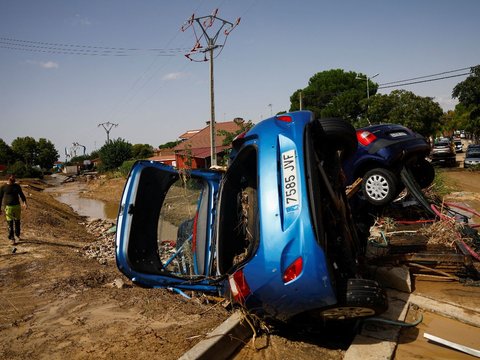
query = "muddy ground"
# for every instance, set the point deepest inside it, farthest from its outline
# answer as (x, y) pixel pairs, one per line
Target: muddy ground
(57, 302)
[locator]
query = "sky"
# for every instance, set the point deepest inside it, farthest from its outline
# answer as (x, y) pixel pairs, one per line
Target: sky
(66, 67)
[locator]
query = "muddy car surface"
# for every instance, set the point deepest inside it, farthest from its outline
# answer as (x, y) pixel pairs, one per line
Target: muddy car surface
(273, 234)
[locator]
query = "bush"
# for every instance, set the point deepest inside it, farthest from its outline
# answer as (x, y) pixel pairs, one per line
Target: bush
(114, 153)
(21, 170)
(124, 169)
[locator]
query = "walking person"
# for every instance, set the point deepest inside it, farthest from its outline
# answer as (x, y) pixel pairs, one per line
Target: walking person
(12, 192)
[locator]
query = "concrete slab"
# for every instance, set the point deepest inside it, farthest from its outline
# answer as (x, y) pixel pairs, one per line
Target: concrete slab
(221, 342)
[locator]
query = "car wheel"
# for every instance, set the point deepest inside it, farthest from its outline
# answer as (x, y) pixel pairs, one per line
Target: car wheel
(423, 172)
(340, 135)
(379, 186)
(363, 298)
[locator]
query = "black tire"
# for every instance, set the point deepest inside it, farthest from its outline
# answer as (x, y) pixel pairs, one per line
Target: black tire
(340, 135)
(423, 172)
(363, 298)
(379, 186)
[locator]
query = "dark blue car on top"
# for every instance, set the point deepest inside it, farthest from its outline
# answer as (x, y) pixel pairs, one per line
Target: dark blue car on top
(383, 151)
(273, 233)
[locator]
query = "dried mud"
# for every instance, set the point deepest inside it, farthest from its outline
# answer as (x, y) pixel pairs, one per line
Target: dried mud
(58, 303)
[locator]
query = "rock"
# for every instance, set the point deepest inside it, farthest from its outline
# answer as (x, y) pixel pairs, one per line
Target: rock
(119, 283)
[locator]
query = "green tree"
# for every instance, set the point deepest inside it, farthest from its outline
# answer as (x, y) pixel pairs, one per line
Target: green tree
(335, 93)
(142, 151)
(25, 149)
(6, 153)
(114, 153)
(94, 155)
(243, 126)
(468, 94)
(169, 145)
(46, 154)
(418, 113)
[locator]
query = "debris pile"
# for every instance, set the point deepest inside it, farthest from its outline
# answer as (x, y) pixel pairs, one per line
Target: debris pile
(103, 249)
(440, 249)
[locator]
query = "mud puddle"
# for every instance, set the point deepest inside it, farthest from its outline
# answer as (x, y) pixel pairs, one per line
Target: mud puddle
(413, 345)
(70, 194)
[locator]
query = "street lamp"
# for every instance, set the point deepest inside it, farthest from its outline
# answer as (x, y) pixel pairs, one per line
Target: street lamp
(368, 78)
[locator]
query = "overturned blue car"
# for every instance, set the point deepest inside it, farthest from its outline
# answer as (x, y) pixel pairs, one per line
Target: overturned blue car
(273, 233)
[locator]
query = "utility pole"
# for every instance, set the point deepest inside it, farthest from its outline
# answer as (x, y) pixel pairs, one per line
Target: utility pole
(107, 126)
(205, 23)
(368, 78)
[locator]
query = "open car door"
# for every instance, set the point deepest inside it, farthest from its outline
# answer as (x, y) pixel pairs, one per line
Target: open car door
(165, 227)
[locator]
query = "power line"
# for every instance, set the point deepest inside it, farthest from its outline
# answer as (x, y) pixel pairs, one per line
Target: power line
(426, 76)
(75, 49)
(422, 81)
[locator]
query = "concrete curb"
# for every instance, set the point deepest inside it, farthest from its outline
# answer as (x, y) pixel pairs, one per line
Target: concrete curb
(221, 342)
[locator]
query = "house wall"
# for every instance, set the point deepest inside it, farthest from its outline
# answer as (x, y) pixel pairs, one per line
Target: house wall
(197, 163)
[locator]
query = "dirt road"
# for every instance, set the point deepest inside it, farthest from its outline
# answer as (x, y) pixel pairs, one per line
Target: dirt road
(57, 303)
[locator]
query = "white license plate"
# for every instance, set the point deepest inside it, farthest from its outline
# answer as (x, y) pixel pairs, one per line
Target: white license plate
(290, 181)
(397, 134)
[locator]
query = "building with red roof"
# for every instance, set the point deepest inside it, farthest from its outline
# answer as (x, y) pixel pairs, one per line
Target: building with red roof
(194, 152)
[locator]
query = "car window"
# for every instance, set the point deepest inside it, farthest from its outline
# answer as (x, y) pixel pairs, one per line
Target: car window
(182, 227)
(473, 153)
(163, 231)
(237, 228)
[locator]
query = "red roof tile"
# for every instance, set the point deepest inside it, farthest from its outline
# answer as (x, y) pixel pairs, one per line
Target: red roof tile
(202, 139)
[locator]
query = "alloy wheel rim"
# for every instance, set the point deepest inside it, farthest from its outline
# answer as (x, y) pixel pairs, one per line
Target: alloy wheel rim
(377, 187)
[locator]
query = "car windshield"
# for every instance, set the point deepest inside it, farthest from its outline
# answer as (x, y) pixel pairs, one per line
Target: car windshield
(442, 144)
(473, 153)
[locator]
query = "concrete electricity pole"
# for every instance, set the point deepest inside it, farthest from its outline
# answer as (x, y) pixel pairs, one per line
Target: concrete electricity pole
(107, 126)
(367, 78)
(206, 24)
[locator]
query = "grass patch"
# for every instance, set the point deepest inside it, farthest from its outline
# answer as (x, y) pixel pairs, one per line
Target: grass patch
(440, 186)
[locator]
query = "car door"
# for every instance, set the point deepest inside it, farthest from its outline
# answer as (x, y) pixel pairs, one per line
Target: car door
(165, 227)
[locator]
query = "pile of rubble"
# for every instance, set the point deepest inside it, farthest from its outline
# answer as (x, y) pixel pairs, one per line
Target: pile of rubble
(103, 249)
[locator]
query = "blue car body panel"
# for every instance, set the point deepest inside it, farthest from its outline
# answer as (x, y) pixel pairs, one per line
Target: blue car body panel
(286, 231)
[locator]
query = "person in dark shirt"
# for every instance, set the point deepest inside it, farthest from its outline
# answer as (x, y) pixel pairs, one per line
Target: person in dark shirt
(11, 194)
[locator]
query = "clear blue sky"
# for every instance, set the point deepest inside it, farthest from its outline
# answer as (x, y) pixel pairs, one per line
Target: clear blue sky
(277, 47)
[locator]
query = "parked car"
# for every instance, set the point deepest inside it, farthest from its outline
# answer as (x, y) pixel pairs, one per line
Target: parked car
(458, 145)
(273, 233)
(472, 156)
(443, 153)
(383, 151)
